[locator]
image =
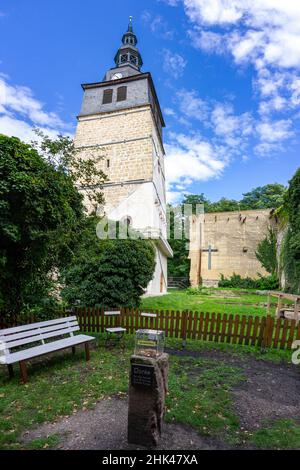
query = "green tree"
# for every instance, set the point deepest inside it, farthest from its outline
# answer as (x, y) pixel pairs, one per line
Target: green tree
(292, 241)
(40, 215)
(267, 252)
(110, 273)
(179, 265)
(197, 199)
(270, 196)
(224, 205)
(83, 170)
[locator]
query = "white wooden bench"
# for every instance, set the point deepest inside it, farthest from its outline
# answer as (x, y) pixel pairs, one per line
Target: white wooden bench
(14, 342)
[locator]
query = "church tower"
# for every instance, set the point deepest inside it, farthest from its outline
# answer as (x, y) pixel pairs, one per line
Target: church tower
(121, 120)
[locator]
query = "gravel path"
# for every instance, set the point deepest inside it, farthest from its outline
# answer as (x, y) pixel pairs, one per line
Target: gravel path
(105, 427)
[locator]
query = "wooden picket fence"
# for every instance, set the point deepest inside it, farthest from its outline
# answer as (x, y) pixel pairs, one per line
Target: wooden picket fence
(266, 332)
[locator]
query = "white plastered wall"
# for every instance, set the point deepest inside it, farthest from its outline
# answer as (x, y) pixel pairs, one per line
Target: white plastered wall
(144, 213)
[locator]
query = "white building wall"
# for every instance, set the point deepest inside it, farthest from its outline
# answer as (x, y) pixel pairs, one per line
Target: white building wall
(143, 212)
(158, 285)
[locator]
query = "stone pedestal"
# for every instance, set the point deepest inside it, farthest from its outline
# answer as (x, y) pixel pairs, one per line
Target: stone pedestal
(147, 391)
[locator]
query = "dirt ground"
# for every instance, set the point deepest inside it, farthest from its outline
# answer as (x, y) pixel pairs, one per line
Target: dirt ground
(105, 427)
(271, 391)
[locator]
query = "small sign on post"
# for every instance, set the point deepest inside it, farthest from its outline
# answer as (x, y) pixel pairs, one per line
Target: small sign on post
(148, 386)
(142, 375)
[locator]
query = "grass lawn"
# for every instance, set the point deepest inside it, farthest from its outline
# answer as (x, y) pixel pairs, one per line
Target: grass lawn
(235, 301)
(200, 393)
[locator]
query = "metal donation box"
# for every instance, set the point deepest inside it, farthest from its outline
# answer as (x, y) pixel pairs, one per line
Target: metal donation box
(149, 343)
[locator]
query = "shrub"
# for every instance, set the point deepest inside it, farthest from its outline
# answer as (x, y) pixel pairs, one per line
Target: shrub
(267, 252)
(198, 291)
(108, 273)
(261, 283)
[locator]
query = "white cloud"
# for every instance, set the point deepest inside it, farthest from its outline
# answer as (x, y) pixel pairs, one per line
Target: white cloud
(18, 128)
(233, 129)
(295, 91)
(174, 197)
(279, 91)
(171, 3)
(173, 63)
(20, 111)
(190, 159)
(191, 105)
(213, 11)
(15, 127)
(20, 99)
(274, 131)
(158, 25)
(264, 32)
(169, 112)
(208, 41)
(266, 35)
(272, 135)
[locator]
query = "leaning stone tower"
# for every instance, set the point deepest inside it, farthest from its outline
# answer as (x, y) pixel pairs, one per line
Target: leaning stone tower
(121, 120)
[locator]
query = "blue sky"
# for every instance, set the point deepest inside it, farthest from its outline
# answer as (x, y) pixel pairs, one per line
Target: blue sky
(226, 72)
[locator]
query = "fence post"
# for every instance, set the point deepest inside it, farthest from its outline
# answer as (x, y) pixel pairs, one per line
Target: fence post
(267, 334)
(183, 328)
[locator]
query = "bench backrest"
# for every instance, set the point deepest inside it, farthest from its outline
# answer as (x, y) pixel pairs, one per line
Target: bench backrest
(36, 332)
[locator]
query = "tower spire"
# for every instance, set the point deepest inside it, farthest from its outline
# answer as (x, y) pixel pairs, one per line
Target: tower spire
(130, 27)
(128, 54)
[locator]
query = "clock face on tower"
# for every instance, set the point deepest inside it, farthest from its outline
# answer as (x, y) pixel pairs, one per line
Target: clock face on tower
(117, 76)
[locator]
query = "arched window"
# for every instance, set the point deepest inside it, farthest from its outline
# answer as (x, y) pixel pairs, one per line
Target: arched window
(127, 220)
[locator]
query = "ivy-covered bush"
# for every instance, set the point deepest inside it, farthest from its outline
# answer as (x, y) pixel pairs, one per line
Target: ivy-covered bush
(266, 252)
(291, 247)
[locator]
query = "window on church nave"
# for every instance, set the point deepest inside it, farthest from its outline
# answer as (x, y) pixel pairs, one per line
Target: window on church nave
(127, 220)
(122, 93)
(107, 96)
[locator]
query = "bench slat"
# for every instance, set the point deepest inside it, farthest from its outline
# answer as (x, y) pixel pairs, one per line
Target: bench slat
(36, 331)
(32, 326)
(113, 313)
(116, 330)
(34, 339)
(45, 349)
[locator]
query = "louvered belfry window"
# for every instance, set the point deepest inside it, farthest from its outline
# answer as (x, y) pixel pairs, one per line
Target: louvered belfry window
(122, 93)
(107, 96)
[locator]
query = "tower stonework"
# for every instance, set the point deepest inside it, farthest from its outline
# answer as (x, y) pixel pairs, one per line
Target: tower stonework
(120, 124)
